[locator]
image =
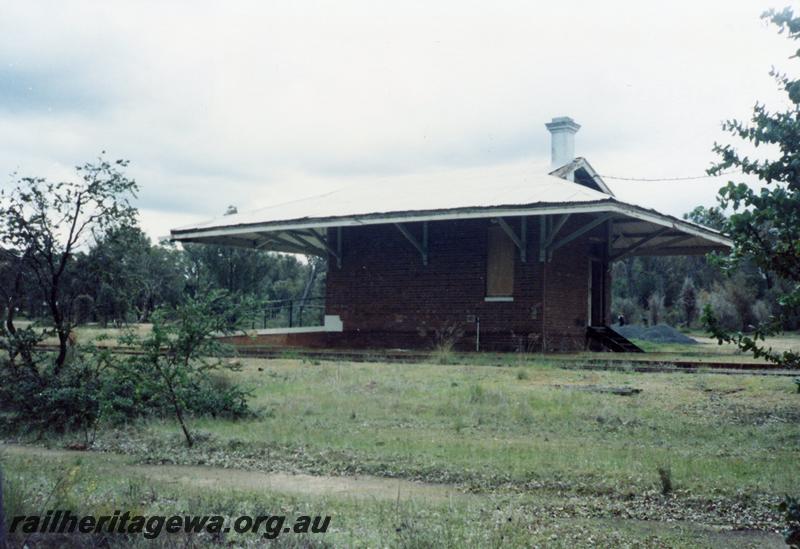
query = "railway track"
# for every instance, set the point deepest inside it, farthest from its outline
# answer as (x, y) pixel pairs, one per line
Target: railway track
(604, 361)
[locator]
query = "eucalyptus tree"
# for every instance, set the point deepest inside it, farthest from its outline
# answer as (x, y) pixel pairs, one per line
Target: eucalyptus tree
(765, 221)
(44, 224)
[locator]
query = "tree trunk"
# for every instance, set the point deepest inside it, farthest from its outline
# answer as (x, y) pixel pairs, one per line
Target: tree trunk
(189, 440)
(179, 414)
(63, 340)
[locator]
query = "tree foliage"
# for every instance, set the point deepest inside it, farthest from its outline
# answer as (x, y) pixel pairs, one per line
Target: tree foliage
(44, 224)
(245, 271)
(181, 352)
(128, 277)
(688, 300)
(739, 298)
(765, 221)
(74, 246)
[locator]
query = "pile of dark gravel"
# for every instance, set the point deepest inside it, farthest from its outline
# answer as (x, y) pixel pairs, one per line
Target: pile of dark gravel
(660, 333)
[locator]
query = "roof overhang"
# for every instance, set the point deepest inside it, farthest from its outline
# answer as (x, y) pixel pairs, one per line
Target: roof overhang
(633, 230)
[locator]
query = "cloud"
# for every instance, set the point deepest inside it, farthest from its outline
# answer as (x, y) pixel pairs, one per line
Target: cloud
(241, 103)
(25, 91)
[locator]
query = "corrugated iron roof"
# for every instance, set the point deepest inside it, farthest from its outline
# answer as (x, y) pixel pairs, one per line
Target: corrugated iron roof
(518, 190)
(456, 189)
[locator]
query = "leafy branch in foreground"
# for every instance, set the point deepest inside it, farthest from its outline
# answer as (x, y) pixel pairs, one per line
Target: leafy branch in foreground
(182, 350)
(790, 507)
(43, 226)
(765, 223)
(754, 342)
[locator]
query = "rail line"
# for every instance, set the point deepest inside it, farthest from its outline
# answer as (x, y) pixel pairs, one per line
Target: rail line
(614, 362)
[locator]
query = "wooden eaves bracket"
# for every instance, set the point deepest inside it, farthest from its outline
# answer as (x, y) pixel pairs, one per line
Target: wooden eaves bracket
(291, 246)
(641, 242)
(305, 236)
(548, 243)
(521, 241)
(549, 231)
(675, 240)
(421, 247)
(666, 245)
(299, 242)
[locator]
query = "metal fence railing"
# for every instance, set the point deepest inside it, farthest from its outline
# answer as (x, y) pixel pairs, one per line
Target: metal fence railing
(290, 313)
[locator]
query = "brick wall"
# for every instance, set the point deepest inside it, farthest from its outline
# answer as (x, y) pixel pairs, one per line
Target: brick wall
(387, 298)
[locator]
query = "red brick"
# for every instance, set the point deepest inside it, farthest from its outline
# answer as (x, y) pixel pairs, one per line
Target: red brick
(387, 298)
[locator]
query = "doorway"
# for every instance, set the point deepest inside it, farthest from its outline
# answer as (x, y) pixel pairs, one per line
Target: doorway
(597, 294)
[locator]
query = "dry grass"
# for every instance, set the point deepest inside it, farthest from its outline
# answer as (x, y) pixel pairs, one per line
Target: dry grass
(532, 453)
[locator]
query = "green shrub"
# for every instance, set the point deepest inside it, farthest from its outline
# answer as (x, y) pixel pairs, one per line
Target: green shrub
(790, 507)
(34, 398)
(665, 478)
(174, 374)
(215, 395)
(178, 358)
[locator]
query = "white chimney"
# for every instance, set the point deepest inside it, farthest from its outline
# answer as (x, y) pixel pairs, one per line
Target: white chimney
(562, 140)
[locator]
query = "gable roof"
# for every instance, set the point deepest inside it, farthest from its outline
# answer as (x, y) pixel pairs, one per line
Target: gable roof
(580, 171)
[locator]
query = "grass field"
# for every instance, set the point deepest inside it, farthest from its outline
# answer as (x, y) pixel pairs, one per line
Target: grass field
(521, 454)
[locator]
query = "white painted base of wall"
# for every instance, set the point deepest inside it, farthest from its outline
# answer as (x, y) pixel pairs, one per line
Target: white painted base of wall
(332, 323)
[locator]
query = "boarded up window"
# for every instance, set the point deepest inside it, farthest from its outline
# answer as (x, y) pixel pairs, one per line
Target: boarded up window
(499, 264)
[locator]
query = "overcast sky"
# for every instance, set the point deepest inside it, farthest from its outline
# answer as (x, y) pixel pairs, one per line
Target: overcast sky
(248, 103)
